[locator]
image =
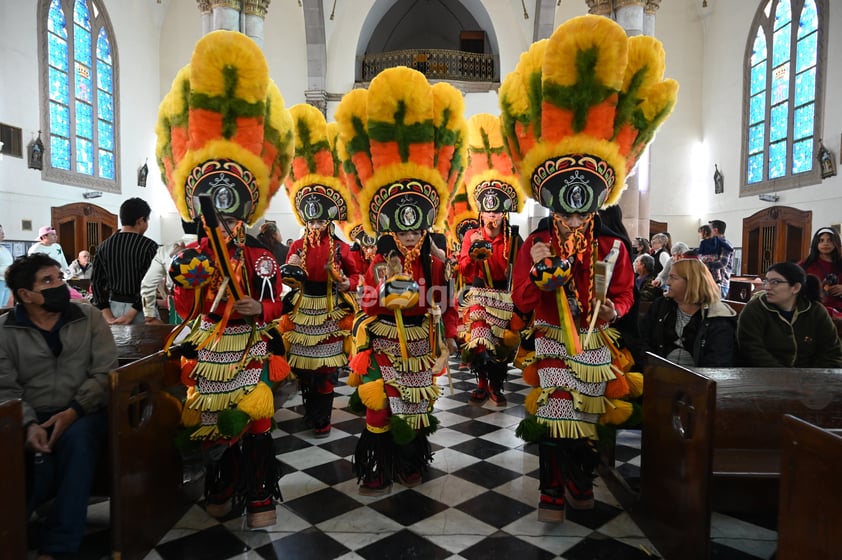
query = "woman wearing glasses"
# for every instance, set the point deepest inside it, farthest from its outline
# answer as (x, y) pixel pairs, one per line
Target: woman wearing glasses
(786, 325)
(690, 326)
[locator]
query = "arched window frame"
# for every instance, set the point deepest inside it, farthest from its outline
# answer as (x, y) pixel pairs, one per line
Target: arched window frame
(99, 22)
(765, 23)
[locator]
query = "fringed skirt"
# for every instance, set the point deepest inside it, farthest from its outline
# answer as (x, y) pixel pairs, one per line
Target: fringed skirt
(318, 338)
(486, 314)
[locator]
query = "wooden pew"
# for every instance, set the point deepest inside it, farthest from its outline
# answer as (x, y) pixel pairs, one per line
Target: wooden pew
(711, 440)
(810, 507)
(146, 468)
(12, 482)
(138, 341)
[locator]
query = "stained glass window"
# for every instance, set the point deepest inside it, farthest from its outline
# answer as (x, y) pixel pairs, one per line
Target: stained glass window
(81, 105)
(783, 73)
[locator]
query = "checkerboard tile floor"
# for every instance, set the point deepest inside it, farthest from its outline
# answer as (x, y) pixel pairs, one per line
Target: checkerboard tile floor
(478, 501)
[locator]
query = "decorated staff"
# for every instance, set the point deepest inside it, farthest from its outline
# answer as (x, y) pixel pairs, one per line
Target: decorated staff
(224, 146)
(578, 111)
(486, 259)
(404, 141)
(317, 328)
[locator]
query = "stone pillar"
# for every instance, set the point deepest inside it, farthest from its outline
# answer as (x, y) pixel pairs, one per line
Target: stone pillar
(207, 16)
(649, 12)
(226, 15)
(317, 98)
(255, 11)
(600, 7)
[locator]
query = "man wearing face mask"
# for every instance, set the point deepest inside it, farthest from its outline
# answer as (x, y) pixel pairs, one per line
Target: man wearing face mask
(55, 356)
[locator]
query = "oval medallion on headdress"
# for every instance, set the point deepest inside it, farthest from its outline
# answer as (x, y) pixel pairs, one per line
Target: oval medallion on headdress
(573, 184)
(408, 205)
(319, 202)
(495, 196)
(232, 188)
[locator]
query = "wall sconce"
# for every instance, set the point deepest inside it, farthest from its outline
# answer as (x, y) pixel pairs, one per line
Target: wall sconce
(141, 175)
(768, 197)
(826, 161)
(36, 153)
(91, 194)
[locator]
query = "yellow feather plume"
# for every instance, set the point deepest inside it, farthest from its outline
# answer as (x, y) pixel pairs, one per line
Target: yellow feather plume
(373, 394)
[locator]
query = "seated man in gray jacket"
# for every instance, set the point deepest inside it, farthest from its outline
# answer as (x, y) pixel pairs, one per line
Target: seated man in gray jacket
(55, 356)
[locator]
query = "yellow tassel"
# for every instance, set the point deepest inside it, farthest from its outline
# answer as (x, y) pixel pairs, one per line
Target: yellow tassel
(635, 381)
(354, 379)
(621, 412)
(190, 417)
(568, 328)
(373, 394)
(531, 402)
(259, 403)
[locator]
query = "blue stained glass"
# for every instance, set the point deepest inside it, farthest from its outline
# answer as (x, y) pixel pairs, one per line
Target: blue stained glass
(803, 121)
(106, 135)
(82, 45)
(55, 21)
(757, 108)
(755, 138)
(103, 47)
(81, 15)
(780, 84)
(783, 14)
(104, 76)
(59, 119)
(778, 126)
(805, 87)
(84, 120)
(809, 21)
(806, 52)
(105, 104)
(83, 83)
(802, 156)
(755, 168)
(758, 52)
(57, 52)
(106, 164)
(58, 86)
(781, 46)
(84, 156)
(777, 160)
(60, 152)
(758, 78)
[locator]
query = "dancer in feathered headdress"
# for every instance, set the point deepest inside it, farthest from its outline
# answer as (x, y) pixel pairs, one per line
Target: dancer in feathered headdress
(487, 258)
(578, 111)
(404, 145)
(224, 147)
(317, 329)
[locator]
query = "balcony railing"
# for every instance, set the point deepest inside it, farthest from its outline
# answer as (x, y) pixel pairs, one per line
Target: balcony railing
(436, 64)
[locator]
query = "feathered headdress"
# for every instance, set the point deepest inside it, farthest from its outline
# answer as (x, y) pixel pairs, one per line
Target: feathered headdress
(461, 218)
(314, 188)
(404, 146)
(490, 179)
(223, 130)
(580, 108)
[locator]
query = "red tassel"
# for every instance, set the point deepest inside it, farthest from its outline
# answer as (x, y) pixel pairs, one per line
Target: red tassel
(530, 375)
(187, 366)
(285, 324)
(278, 368)
(346, 323)
(360, 363)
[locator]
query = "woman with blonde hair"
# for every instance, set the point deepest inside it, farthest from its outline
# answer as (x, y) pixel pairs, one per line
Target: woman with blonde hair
(691, 325)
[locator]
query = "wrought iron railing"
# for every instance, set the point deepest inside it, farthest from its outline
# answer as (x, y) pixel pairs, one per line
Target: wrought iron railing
(436, 64)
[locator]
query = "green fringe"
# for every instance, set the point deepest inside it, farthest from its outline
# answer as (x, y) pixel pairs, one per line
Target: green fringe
(434, 425)
(532, 431)
(232, 421)
(183, 441)
(355, 403)
(402, 432)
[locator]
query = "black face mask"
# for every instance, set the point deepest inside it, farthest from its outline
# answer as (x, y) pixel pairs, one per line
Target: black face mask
(56, 299)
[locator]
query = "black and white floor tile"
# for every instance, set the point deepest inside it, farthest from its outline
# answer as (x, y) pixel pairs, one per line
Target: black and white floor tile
(478, 502)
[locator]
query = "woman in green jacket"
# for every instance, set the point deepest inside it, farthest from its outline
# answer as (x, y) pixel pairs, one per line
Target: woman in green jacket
(786, 325)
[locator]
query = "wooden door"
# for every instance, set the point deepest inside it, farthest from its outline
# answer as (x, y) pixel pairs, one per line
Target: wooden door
(775, 234)
(81, 226)
(658, 227)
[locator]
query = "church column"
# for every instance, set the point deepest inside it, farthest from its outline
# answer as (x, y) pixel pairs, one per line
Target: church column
(314, 32)
(233, 15)
(637, 17)
(207, 16)
(255, 11)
